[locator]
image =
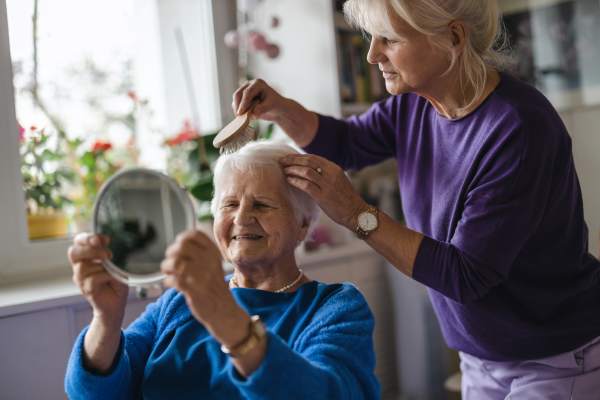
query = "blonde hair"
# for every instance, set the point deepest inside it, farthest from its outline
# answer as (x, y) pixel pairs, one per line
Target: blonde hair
(486, 39)
(253, 158)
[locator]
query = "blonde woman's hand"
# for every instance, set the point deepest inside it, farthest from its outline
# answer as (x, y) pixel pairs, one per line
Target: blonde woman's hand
(106, 295)
(327, 184)
(295, 120)
(268, 103)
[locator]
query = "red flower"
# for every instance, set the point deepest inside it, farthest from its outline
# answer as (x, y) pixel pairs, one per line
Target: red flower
(186, 134)
(100, 146)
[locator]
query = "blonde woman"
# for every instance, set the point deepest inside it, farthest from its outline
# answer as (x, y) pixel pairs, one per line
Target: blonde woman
(493, 209)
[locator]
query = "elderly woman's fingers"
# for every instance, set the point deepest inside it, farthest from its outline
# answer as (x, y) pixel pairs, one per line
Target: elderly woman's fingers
(77, 253)
(93, 282)
(84, 269)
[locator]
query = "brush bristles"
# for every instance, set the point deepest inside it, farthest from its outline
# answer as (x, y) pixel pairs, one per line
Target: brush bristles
(239, 141)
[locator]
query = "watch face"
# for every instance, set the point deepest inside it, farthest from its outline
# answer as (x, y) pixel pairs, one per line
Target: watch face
(367, 221)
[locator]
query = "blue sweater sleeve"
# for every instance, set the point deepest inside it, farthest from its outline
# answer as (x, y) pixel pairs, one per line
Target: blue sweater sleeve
(503, 210)
(332, 359)
(358, 141)
(124, 378)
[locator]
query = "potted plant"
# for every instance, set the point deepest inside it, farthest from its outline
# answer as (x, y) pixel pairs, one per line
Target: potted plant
(44, 181)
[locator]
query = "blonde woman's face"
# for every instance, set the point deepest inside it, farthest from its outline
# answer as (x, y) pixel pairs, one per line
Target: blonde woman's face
(254, 222)
(408, 61)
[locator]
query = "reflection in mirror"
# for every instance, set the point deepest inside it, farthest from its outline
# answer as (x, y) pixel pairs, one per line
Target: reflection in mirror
(142, 211)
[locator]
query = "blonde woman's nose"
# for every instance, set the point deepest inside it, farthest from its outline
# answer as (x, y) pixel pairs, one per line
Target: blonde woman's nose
(374, 55)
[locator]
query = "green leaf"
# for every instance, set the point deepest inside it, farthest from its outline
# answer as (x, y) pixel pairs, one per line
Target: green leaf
(203, 188)
(88, 159)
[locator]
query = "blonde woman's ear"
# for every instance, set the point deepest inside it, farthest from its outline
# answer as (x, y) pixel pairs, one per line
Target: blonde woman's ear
(458, 33)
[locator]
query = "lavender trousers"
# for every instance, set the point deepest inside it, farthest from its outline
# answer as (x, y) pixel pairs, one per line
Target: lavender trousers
(574, 375)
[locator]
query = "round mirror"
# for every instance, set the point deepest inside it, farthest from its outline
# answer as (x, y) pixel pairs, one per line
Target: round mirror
(142, 211)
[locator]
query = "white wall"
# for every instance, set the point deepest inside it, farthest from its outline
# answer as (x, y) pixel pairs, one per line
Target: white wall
(306, 69)
(584, 126)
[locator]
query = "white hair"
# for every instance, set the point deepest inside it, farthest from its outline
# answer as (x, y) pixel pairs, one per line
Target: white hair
(486, 40)
(253, 158)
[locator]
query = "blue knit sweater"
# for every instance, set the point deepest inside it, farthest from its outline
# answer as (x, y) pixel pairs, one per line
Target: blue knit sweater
(319, 346)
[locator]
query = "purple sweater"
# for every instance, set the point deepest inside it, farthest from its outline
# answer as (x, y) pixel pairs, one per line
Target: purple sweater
(496, 194)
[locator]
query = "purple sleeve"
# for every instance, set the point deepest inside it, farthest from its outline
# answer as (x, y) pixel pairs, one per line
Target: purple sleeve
(503, 208)
(360, 140)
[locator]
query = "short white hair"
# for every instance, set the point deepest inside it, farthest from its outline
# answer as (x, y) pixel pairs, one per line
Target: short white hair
(256, 156)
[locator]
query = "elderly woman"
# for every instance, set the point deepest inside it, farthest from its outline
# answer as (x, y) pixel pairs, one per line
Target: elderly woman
(268, 332)
(491, 199)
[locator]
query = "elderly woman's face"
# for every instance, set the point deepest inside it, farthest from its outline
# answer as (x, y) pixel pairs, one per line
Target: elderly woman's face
(254, 222)
(408, 60)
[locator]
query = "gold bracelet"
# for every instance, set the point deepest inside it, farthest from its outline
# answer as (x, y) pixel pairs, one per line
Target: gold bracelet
(256, 332)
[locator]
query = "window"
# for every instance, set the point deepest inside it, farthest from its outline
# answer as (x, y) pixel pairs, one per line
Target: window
(100, 71)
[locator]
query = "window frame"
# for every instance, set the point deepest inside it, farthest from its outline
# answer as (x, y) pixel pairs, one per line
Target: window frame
(20, 258)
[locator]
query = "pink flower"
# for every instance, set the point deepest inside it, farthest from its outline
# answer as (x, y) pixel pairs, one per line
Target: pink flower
(21, 132)
(232, 39)
(272, 51)
(132, 95)
(257, 41)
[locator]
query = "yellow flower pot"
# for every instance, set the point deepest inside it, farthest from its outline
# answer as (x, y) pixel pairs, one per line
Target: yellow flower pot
(46, 226)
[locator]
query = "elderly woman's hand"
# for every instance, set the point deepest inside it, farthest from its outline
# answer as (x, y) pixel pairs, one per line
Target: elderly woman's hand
(106, 295)
(193, 266)
(327, 183)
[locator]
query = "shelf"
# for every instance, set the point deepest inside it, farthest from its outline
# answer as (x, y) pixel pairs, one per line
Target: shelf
(341, 24)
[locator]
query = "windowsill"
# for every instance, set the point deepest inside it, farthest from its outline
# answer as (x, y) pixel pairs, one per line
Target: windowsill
(24, 297)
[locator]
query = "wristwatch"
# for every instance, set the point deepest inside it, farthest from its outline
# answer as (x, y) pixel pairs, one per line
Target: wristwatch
(256, 332)
(366, 222)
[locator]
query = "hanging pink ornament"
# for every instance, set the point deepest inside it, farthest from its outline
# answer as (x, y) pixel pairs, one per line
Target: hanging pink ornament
(275, 21)
(272, 51)
(232, 39)
(257, 41)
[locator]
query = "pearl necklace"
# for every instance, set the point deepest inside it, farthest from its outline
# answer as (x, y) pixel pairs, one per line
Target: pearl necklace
(234, 283)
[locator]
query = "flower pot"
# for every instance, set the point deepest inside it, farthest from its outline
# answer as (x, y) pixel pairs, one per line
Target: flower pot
(46, 226)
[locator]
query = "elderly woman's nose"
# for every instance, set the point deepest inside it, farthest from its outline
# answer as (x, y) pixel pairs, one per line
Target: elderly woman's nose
(244, 215)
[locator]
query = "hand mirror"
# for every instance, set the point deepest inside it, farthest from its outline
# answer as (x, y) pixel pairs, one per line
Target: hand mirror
(142, 211)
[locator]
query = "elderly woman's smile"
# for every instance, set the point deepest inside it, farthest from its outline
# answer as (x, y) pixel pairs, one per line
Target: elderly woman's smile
(255, 224)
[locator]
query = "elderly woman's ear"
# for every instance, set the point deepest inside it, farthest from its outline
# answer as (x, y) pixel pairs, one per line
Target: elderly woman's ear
(303, 230)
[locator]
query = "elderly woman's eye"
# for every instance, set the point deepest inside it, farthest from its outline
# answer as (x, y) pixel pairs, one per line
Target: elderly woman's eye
(228, 205)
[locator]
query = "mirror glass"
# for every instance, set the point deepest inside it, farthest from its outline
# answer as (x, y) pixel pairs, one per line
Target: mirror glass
(142, 211)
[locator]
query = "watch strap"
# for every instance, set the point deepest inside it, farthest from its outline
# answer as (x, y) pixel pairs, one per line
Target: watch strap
(256, 332)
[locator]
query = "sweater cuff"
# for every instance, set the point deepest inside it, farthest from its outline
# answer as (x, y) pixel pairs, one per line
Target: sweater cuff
(82, 383)
(260, 383)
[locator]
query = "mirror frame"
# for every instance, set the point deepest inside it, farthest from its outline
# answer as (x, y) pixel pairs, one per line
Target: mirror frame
(139, 280)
